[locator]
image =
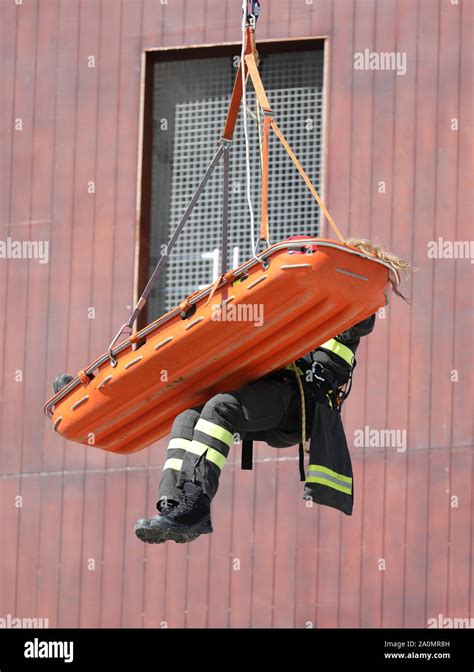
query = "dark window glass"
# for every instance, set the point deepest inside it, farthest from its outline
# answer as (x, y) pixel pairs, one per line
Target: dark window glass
(189, 109)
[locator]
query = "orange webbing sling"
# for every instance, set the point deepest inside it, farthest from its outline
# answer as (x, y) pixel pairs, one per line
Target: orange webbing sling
(269, 122)
(223, 151)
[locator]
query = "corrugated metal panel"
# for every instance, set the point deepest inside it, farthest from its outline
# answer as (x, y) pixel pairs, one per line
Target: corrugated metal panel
(68, 553)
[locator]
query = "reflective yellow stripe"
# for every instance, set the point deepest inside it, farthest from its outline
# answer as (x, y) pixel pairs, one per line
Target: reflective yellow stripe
(215, 457)
(217, 432)
(330, 484)
(340, 350)
(179, 443)
(325, 476)
(330, 472)
(197, 448)
(173, 463)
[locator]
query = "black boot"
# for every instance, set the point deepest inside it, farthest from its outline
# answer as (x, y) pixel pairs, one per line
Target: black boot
(191, 515)
(181, 522)
(151, 531)
(61, 381)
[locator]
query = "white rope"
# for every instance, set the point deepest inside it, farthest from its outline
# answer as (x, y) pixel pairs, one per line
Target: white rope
(247, 149)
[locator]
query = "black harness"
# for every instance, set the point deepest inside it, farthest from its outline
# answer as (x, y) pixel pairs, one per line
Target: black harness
(323, 386)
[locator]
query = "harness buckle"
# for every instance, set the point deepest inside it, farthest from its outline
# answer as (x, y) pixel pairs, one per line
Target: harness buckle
(323, 378)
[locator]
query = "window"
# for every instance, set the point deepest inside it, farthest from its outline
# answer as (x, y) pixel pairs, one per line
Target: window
(190, 96)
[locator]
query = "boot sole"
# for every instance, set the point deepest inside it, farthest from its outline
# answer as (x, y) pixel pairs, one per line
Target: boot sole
(161, 532)
(198, 528)
(158, 534)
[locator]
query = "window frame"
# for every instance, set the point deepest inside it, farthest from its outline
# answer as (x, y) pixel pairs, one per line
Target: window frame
(145, 136)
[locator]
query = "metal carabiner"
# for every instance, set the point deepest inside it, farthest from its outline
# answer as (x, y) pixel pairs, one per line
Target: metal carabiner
(253, 14)
(261, 248)
(255, 10)
(113, 360)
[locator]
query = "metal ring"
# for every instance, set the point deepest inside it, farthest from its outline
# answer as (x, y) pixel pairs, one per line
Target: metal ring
(113, 360)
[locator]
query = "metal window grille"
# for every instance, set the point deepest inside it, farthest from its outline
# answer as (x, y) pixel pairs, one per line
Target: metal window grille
(190, 104)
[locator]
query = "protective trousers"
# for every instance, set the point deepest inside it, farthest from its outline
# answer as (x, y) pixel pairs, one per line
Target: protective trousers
(267, 410)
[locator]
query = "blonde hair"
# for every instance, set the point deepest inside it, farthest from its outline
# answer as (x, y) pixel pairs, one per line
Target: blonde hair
(371, 248)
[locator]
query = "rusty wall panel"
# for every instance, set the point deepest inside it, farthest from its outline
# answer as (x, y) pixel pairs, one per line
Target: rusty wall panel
(68, 549)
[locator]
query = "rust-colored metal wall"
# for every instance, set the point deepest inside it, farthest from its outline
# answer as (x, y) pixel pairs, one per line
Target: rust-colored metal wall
(67, 549)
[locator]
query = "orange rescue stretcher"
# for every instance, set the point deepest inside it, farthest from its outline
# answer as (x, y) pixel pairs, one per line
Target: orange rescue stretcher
(213, 342)
(204, 347)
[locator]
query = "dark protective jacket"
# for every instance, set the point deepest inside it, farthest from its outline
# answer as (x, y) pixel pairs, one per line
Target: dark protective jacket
(329, 478)
(333, 362)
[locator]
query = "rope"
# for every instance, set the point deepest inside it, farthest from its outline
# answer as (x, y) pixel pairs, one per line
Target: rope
(303, 407)
(247, 148)
(259, 126)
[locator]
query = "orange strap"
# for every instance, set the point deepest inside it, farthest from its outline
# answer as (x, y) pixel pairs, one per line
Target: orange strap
(269, 121)
(264, 232)
(307, 180)
(252, 69)
(234, 106)
(257, 82)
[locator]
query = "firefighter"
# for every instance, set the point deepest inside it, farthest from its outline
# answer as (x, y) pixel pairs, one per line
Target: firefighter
(265, 410)
(271, 410)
